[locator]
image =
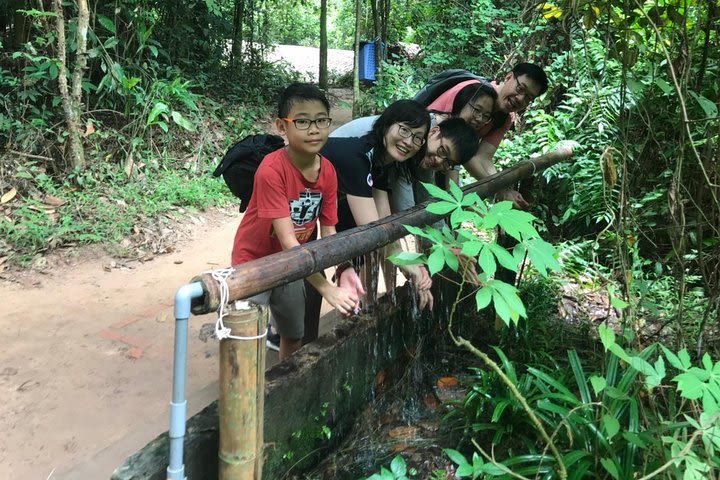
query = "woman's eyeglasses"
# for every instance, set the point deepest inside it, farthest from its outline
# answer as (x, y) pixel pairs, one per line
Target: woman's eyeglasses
(304, 123)
(405, 132)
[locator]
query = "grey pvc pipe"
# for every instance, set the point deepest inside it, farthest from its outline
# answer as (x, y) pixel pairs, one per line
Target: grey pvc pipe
(178, 404)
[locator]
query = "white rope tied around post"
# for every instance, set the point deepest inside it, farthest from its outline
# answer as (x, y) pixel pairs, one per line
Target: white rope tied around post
(221, 331)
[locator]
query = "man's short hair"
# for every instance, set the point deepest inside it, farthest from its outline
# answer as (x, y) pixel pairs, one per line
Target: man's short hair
(300, 92)
(464, 138)
(534, 73)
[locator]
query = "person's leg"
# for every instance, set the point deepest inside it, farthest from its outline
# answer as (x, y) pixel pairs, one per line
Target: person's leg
(288, 318)
(313, 305)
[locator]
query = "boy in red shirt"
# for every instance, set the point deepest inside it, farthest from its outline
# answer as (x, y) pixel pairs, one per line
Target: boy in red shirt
(294, 187)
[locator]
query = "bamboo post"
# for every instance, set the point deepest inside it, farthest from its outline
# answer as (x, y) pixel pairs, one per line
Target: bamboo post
(242, 394)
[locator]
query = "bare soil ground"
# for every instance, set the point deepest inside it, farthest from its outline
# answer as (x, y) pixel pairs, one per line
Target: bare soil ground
(85, 368)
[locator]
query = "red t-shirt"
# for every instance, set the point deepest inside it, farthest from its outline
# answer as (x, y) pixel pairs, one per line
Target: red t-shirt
(279, 191)
(444, 104)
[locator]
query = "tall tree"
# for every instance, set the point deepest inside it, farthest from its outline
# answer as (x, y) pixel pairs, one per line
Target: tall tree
(237, 39)
(356, 59)
(71, 98)
(323, 70)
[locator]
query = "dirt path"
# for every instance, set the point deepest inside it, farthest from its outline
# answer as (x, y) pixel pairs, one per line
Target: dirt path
(85, 368)
(87, 354)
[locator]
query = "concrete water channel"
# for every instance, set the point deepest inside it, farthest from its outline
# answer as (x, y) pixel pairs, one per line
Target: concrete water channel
(329, 381)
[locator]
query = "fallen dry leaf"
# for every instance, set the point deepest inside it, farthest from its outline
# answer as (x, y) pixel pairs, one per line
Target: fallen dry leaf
(403, 432)
(447, 382)
(89, 129)
(9, 195)
(53, 200)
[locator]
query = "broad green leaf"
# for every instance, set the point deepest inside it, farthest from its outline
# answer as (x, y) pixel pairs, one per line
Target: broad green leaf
(486, 261)
(398, 466)
(617, 302)
(707, 362)
(472, 248)
(450, 259)
(438, 192)
(459, 216)
(182, 121)
(689, 385)
(598, 384)
(483, 297)
(416, 231)
(610, 467)
(157, 109)
(664, 86)
(471, 199)
(406, 258)
(708, 106)
(611, 425)
(607, 335)
(501, 307)
(436, 261)
(441, 208)
(684, 357)
(542, 255)
(672, 358)
(107, 23)
(641, 365)
(456, 192)
(503, 256)
(455, 456)
(163, 126)
(634, 438)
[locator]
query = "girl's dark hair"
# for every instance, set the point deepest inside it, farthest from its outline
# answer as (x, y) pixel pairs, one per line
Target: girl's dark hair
(410, 113)
(475, 90)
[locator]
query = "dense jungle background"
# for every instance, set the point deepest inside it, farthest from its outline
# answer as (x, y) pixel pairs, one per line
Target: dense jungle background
(113, 114)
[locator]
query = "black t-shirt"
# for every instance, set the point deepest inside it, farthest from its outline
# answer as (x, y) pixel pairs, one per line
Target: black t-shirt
(357, 173)
(356, 169)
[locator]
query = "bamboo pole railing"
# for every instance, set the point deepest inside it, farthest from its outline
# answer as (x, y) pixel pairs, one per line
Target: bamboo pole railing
(265, 273)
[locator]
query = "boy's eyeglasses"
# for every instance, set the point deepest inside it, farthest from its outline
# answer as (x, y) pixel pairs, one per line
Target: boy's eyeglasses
(405, 132)
(480, 114)
(304, 123)
(444, 155)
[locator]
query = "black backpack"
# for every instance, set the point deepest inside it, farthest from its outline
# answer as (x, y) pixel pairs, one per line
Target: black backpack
(241, 161)
(442, 82)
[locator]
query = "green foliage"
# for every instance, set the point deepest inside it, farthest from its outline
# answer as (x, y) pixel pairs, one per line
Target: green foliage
(395, 81)
(105, 210)
(612, 418)
(471, 232)
(398, 471)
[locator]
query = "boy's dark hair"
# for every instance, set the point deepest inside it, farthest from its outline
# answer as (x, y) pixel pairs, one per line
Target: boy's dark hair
(300, 92)
(470, 92)
(464, 138)
(409, 112)
(534, 73)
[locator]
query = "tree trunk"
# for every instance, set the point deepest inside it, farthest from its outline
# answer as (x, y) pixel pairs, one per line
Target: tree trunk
(323, 69)
(237, 40)
(356, 61)
(71, 100)
(384, 19)
(376, 33)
